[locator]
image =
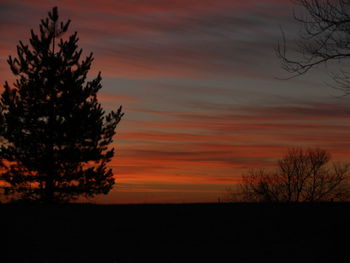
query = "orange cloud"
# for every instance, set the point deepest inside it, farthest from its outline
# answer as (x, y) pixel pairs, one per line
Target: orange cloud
(214, 149)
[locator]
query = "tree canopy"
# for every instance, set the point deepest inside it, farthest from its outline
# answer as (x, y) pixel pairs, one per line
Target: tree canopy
(55, 136)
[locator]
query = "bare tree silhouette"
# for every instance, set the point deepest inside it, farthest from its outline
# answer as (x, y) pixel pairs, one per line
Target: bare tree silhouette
(325, 37)
(300, 176)
(55, 136)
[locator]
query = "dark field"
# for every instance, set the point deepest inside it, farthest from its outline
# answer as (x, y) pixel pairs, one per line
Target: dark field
(176, 233)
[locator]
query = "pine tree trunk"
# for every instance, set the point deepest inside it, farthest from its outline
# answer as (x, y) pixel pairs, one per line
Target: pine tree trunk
(49, 189)
(49, 184)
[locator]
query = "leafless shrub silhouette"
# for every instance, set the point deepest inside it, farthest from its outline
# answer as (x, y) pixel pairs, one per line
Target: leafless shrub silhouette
(300, 176)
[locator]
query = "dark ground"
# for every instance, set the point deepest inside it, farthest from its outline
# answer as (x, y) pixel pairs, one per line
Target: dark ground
(176, 233)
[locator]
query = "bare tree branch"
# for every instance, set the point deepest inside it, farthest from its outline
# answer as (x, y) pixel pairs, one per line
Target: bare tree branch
(324, 37)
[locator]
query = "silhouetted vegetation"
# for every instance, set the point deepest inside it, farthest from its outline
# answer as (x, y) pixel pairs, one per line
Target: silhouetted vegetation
(300, 176)
(325, 37)
(55, 136)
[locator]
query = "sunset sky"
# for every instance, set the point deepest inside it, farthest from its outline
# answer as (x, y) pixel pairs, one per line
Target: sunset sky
(201, 88)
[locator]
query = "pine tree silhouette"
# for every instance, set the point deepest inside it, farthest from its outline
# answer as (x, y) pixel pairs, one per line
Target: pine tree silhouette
(55, 136)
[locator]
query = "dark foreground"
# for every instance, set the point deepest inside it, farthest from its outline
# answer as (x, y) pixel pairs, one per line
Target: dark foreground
(175, 233)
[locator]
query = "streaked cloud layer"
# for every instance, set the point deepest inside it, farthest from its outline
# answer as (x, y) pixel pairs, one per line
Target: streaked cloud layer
(198, 82)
